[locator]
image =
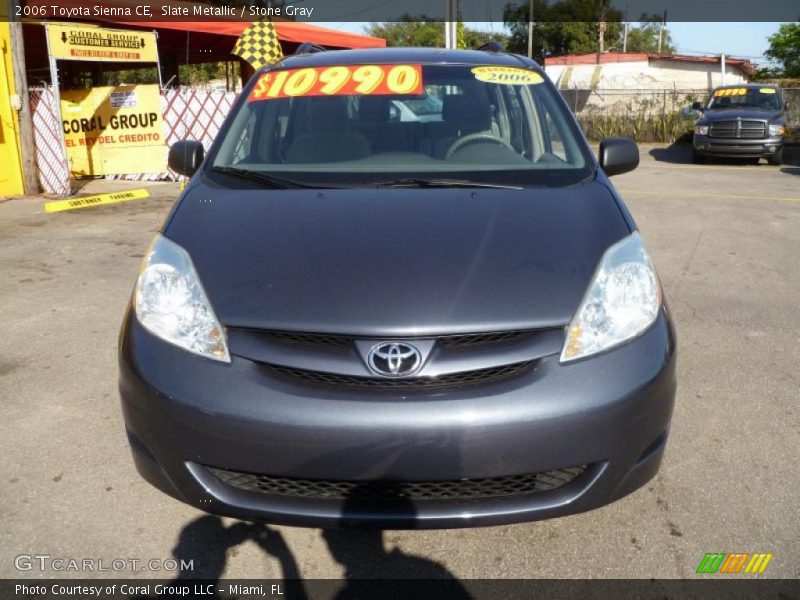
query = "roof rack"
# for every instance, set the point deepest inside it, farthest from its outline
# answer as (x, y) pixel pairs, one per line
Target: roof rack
(491, 46)
(309, 48)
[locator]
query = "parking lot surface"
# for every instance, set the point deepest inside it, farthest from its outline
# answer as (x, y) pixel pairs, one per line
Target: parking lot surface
(725, 238)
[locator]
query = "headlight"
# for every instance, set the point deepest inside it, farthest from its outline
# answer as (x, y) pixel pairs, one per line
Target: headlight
(170, 302)
(621, 302)
(776, 130)
(701, 129)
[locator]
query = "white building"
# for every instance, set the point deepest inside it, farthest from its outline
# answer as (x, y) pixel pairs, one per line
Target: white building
(615, 70)
(614, 79)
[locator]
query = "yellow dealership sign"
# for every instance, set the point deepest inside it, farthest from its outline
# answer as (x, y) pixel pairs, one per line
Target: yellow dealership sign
(10, 162)
(86, 42)
(113, 130)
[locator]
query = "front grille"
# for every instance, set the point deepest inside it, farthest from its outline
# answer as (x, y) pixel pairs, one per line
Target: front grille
(477, 339)
(320, 489)
(449, 381)
(753, 129)
(733, 129)
(451, 341)
(312, 339)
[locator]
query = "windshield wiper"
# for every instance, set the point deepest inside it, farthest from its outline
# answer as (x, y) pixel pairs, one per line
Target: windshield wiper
(442, 183)
(270, 180)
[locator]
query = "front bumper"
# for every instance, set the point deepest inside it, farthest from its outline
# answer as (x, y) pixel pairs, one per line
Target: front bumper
(742, 147)
(184, 413)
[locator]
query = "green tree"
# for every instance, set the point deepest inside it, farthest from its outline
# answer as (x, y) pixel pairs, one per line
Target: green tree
(644, 38)
(784, 48)
(565, 27)
(417, 31)
(410, 31)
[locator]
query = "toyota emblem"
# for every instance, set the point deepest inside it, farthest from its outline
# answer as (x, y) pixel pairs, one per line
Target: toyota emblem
(394, 359)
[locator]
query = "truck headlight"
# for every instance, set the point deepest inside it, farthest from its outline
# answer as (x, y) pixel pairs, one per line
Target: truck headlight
(701, 129)
(622, 301)
(171, 304)
(775, 130)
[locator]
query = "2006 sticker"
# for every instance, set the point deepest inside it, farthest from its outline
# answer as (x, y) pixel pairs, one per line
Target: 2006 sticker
(507, 75)
(339, 80)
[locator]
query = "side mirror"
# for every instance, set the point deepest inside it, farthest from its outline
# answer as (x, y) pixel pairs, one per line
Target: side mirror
(697, 106)
(618, 155)
(185, 157)
(689, 112)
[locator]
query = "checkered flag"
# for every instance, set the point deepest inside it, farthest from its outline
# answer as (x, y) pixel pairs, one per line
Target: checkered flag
(259, 44)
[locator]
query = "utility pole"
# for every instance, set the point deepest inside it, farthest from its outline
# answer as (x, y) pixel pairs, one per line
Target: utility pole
(30, 181)
(625, 37)
(530, 29)
(661, 31)
(625, 31)
(451, 24)
(601, 29)
(722, 69)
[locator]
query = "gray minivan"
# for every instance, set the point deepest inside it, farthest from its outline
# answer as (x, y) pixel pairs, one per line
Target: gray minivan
(351, 319)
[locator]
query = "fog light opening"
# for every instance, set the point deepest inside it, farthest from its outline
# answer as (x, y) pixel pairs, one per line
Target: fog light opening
(654, 447)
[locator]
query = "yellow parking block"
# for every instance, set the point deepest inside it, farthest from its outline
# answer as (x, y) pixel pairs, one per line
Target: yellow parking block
(96, 200)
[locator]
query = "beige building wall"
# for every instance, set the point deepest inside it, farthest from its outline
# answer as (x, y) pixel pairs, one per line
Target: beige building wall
(648, 85)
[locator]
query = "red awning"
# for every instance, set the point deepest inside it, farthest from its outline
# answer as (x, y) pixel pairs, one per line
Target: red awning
(288, 31)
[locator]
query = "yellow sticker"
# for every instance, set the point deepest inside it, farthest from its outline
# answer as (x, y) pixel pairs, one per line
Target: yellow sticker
(731, 92)
(767, 90)
(507, 75)
(96, 200)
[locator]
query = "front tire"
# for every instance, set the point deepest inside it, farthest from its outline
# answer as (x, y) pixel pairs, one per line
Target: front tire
(776, 159)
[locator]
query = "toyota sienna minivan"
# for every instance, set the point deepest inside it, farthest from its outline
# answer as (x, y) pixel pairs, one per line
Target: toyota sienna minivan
(352, 319)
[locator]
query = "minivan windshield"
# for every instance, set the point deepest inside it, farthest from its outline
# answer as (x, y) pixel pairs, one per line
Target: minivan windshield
(363, 125)
(765, 98)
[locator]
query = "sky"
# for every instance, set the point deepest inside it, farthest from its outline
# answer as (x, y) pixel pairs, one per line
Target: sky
(744, 40)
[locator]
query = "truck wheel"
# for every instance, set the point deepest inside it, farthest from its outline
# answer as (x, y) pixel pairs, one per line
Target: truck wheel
(697, 158)
(777, 158)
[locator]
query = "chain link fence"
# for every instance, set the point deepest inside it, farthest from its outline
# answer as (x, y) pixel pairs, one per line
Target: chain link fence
(650, 115)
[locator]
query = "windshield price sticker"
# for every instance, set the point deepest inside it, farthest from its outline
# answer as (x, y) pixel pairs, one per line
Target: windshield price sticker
(767, 90)
(731, 92)
(507, 75)
(339, 81)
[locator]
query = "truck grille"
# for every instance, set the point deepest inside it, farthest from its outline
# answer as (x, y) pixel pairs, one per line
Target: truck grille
(320, 489)
(449, 381)
(738, 129)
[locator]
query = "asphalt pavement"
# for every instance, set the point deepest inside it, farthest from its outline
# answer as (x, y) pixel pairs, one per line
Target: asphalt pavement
(726, 241)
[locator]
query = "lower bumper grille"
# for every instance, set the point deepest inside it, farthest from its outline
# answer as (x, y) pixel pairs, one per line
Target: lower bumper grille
(495, 487)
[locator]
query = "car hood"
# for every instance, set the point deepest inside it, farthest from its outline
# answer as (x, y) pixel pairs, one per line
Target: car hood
(711, 116)
(383, 262)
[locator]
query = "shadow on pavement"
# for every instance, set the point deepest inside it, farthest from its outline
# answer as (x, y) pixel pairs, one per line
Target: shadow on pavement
(205, 543)
(363, 555)
(681, 154)
(676, 153)
(791, 160)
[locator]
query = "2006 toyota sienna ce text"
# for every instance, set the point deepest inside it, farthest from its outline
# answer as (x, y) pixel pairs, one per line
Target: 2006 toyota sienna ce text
(398, 291)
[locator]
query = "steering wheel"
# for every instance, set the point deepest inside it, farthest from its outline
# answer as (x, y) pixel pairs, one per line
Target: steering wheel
(476, 137)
